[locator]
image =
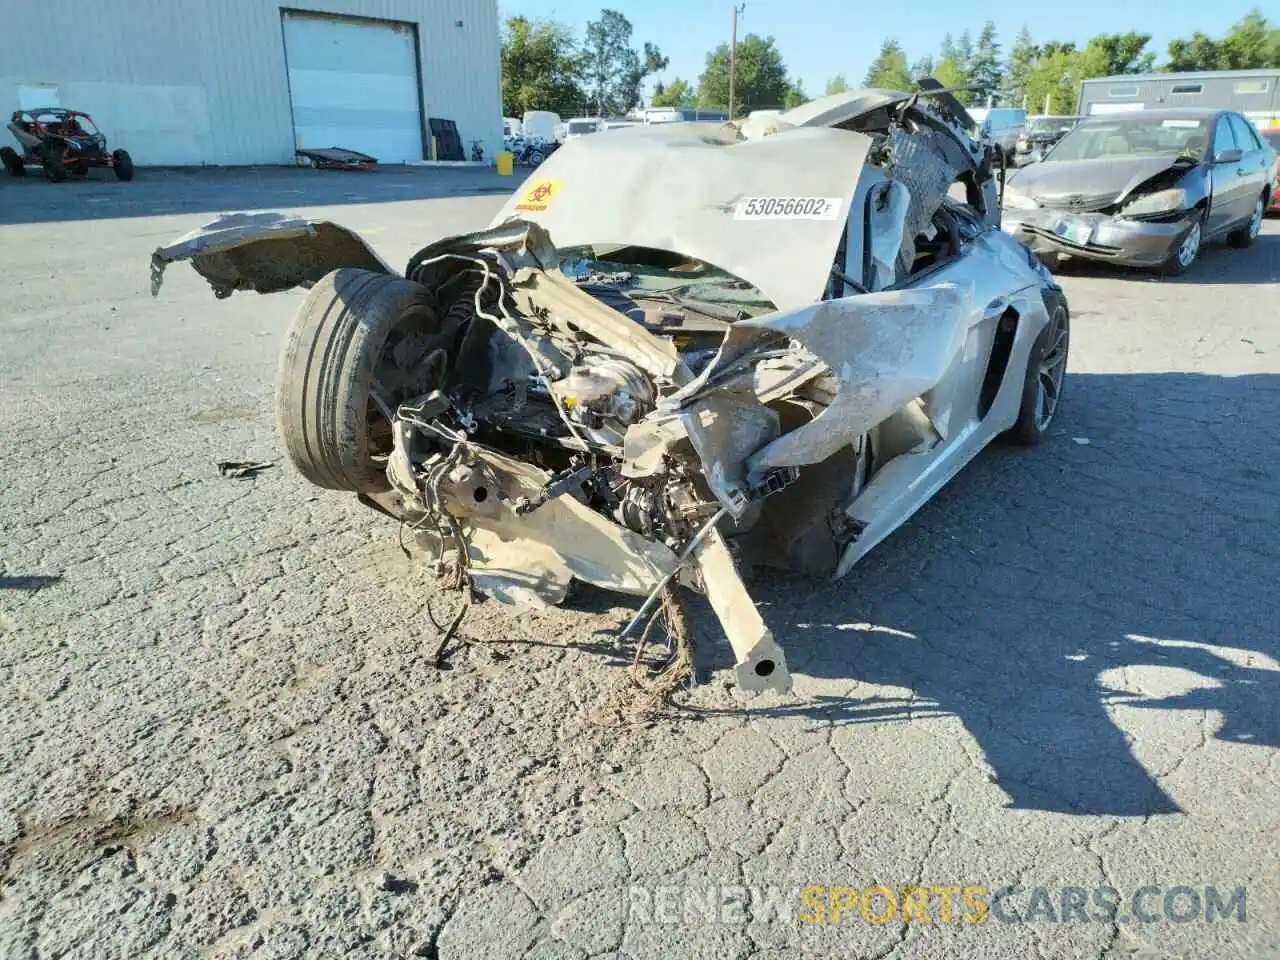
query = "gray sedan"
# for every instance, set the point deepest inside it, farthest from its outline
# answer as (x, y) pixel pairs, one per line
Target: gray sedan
(1145, 189)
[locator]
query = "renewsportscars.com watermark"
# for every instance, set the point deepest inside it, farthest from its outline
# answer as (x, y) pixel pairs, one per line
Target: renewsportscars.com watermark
(939, 904)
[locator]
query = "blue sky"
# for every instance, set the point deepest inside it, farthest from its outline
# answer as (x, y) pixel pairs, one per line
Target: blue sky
(821, 38)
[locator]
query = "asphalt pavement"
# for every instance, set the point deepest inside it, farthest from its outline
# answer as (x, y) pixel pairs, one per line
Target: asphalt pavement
(222, 736)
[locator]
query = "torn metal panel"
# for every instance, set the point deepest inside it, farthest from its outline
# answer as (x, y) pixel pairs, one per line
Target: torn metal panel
(265, 252)
(888, 214)
(678, 187)
(760, 662)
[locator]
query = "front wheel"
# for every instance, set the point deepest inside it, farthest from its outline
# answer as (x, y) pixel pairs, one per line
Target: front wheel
(1186, 252)
(54, 169)
(122, 164)
(1046, 374)
(1245, 235)
(12, 162)
(361, 344)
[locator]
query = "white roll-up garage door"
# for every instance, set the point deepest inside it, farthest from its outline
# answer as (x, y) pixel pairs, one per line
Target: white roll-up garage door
(354, 84)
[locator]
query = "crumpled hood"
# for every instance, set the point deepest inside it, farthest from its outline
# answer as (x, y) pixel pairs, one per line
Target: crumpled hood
(678, 187)
(1107, 176)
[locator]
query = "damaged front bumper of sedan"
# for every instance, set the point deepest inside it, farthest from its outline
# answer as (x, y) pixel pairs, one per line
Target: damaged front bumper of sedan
(1103, 237)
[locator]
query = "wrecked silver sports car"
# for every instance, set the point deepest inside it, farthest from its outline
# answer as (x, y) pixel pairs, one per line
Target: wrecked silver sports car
(677, 348)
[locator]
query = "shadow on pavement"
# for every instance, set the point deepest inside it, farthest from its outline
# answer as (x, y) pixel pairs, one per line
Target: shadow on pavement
(164, 191)
(1218, 263)
(1022, 595)
(29, 583)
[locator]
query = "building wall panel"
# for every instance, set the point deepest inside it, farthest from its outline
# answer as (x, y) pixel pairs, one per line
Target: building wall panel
(192, 81)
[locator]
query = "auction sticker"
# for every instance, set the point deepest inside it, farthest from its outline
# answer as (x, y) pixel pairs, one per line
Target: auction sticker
(539, 196)
(788, 208)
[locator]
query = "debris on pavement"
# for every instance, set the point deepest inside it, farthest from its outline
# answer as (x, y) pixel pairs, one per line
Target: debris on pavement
(243, 469)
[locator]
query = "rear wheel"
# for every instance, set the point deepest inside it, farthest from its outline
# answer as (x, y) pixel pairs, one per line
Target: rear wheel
(1246, 234)
(12, 162)
(122, 164)
(54, 169)
(1046, 374)
(358, 348)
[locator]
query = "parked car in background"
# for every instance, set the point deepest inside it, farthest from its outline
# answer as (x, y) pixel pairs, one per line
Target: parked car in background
(1146, 189)
(1272, 138)
(1040, 134)
(682, 115)
(580, 127)
(539, 125)
(1003, 126)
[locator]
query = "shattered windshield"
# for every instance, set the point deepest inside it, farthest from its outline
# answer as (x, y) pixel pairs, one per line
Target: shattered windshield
(1137, 135)
(647, 274)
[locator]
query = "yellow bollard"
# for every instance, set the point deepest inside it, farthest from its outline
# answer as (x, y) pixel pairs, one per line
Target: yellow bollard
(506, 163)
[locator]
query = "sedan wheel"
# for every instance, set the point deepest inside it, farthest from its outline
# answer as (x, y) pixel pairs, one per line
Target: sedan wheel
(1249, 232)
(1186, 252)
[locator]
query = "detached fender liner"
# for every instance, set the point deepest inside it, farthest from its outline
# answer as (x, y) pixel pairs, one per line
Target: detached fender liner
(265, 252)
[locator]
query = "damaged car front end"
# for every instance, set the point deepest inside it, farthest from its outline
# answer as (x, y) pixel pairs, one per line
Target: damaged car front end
(675, 350)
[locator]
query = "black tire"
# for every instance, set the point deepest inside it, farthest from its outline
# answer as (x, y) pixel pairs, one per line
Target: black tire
(326, 417)
(1029, 429)
(54, 169)
(1175, 265)
(12, 162)
(122, 164)
(1244, 235)
(79, 168)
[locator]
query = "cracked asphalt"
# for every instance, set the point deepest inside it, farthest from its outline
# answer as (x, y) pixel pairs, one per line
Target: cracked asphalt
(222, 736)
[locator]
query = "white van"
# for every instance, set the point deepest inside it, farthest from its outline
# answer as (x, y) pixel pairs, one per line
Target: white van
(540, 125)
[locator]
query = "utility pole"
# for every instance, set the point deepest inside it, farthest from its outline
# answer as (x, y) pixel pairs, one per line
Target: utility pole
(733, 53)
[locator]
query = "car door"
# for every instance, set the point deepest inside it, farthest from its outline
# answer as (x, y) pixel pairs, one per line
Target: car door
(1227, 190)
(1253, 170)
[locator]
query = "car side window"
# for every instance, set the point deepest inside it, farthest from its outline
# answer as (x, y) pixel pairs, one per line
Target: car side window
(1246, 139)
(1223, 139)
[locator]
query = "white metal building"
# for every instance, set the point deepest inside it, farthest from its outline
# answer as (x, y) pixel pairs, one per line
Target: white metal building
(248, 81)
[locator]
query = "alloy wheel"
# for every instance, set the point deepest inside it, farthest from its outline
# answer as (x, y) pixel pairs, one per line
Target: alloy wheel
(1255, 222)
(1189, 248)
(1052, 369)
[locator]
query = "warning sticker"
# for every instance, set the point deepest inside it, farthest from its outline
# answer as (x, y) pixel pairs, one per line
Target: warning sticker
(539, 196)
(788, 208)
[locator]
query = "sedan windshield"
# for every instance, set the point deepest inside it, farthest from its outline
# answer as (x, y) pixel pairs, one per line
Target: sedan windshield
(1272, 137)
(1050, 124)
(1135, 135)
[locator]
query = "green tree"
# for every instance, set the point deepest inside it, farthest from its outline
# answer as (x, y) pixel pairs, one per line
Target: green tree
(964, 50)
(1251, 43)
(1022, 60)
(889, 69)
(1199, 52)
(949, 48)
(678, 93)
(1055, 78)
(760, 81)
(985, 72)
(1110, 54)
(541, 68)
(924, 67)
(950, 74)
(613, 69)
(795, 95)
(837, 84)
